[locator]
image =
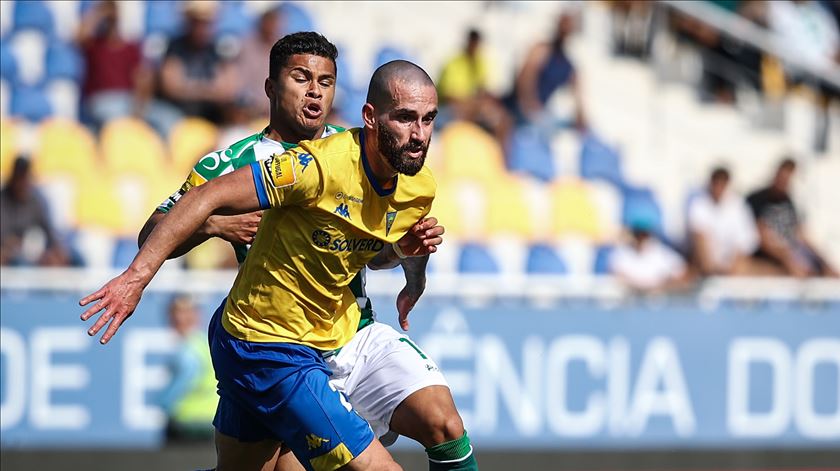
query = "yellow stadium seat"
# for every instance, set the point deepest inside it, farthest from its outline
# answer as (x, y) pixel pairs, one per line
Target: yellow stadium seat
(508, 211)
(469, 152)
(64, 148)
(98, 205)
(574, 211)
(8, 147)
(190, 140)
(130, 146)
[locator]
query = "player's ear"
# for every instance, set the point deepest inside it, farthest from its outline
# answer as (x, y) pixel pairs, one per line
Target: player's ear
(269, 89)
(369, 116)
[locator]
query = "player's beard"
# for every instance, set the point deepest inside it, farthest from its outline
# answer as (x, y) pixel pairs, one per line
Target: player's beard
(396, 155)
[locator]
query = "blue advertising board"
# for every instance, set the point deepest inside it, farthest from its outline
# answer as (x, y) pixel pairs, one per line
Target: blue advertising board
(571, 377)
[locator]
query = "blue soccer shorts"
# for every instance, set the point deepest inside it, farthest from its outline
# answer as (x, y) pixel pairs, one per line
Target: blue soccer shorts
(281, 391)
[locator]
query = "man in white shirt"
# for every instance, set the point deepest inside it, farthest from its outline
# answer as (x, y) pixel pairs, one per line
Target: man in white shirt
(646, 264)
(721, 229)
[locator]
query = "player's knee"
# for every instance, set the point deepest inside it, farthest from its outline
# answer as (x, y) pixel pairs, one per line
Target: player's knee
(443, 426)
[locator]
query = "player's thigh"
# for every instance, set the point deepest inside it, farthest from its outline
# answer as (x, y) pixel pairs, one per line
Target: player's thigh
(393, 369)
(286, 461)
(320, 425)
(233, 455)
(374, 458)
(428, 416)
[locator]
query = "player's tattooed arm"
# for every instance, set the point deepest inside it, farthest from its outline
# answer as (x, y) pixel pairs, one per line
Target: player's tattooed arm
(415, 283)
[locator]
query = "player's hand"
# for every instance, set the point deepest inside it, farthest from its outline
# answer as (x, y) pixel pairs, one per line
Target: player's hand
(239, 229)
(405, 303)
(423, 238)
(119, 297)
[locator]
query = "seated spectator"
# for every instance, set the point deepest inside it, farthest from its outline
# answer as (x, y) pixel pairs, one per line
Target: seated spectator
(195, 77)
(647, 265)
(116, 83)
(783, 248)
(463, 90)
(26, 233)
(548, 68)
(252, 63)
(190, 399)
(721, 228)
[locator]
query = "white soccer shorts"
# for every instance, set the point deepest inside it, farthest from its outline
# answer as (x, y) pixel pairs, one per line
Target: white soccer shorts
(377, 370)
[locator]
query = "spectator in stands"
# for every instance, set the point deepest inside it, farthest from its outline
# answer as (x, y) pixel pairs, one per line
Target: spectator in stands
(722, 229)
(784, 249)
(26, 233)
(645, 264)
(252, 65)
(190, 398)
(806, 28)
(463, 90)
(548, 68)
(196, 78)
(116, 83)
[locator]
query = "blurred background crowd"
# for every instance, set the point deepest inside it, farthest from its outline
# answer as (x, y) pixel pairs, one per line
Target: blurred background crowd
(660, 142)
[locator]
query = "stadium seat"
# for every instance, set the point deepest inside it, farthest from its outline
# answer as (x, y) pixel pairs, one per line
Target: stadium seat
(574, 211)
(529, 152)
(124, 251)
(544, 260)
(599, 161)
(29, 48)
(476, 259)
(30, 103)
(64, 148)
(470, 153)
(164, 17)
(508, 211)
(130, 146)
(640, 207)
(190, 140)
(390, 53)
(64, 61)
(64, 98)
(8, 63)
(602, 259)
(296, 18)
(233, 20)
(98, 206)
(33, 14)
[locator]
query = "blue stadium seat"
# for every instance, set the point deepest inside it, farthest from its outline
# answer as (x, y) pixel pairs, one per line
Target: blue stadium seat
(295, 18)
(64, 62)
(641, 208)
(33, 14)
(599, 161)
(475, 258)
(530, 152)
(602, 259)
(8, 63)
(544, 260)
(30, 103)
(124, 252)
(233, 19)
(390, 53)
(164, 17)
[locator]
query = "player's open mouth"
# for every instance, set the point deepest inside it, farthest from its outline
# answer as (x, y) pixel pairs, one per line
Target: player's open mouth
(312, 111)
(415, 153)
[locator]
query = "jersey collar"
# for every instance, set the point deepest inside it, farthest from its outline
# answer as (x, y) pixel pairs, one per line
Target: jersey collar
(369, 172)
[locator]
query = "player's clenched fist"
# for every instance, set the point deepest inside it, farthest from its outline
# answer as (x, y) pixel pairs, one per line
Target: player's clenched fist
(422, 239)
(118, 298)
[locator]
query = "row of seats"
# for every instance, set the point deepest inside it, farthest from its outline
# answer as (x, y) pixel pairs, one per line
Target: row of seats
(476, 194)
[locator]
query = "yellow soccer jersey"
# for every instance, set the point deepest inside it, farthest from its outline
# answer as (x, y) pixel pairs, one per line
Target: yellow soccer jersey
(328, 217)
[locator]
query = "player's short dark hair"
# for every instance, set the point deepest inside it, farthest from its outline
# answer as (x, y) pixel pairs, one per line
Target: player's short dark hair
(474, 35)
(304, 42)
(719, 173)
(787, 164)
